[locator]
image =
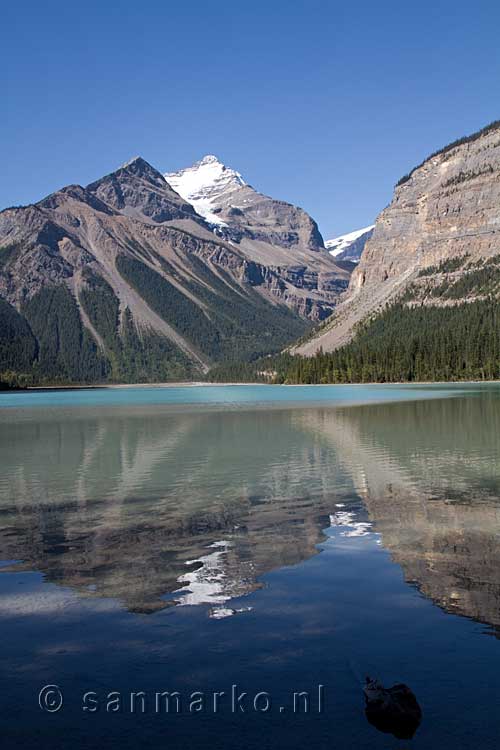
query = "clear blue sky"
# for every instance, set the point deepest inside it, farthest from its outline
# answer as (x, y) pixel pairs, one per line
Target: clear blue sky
(324, 104)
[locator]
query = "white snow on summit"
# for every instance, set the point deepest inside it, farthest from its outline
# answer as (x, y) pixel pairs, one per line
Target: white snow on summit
(341, 244)
(203, 184)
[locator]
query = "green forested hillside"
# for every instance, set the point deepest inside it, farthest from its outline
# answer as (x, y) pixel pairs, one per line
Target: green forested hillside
(132, 357)
(46, 342)
(101, 305)
(412, 343)
(234, 325)
(459, 342)
(242, 334)
(148, 357)
(446, 326)
(18, 346)
(66, 351)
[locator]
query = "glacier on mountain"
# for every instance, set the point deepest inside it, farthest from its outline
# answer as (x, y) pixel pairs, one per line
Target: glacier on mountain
(350, 246)
(203, 184)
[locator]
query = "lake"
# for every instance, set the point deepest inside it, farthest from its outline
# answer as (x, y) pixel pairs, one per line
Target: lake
(254, 552)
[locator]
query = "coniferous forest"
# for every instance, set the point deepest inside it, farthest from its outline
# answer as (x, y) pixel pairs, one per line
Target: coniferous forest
(404, 343)
(419, 343)
(414, 344)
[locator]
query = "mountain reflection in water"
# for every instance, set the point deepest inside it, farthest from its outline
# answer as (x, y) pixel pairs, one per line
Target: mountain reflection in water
(157, 509)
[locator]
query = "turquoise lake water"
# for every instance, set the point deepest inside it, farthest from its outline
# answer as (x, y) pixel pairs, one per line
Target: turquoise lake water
(221, 394)
(277, 539)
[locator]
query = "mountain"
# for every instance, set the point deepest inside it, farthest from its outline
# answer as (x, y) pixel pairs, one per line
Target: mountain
(138, 190)
(123, 280)
(350, 246)
(435, 248)
(206, 185)
(240, 213)
(270, 232)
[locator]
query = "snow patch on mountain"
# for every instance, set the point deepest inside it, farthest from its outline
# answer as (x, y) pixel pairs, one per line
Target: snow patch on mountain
(350, 246)
(203, 184)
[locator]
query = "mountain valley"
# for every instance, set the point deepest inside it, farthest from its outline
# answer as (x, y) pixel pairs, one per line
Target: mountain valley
(145, 277)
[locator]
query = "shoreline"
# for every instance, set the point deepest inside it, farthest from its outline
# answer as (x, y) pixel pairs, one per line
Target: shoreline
(192, 397)
(201, 383)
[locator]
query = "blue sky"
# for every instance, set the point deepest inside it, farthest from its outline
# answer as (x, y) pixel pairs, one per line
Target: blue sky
(324, 104)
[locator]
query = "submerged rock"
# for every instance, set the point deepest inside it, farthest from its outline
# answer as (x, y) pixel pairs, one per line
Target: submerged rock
(393, 710)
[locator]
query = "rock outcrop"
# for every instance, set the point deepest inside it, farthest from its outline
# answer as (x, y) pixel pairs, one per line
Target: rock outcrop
(393, 710)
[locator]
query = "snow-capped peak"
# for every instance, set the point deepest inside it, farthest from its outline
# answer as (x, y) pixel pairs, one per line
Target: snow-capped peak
(209, 159)
(203, 184)
(350, 245)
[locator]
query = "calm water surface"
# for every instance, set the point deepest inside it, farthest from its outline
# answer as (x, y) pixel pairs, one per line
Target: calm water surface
(273, 538)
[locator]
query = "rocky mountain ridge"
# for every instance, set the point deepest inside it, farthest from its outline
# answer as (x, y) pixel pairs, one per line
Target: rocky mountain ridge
(124, 280)
(239, 212)
(444, 218)
(281, 237)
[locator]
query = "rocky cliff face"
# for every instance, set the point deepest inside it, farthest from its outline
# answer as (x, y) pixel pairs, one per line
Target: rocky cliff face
(444, 218)
(124, 280)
